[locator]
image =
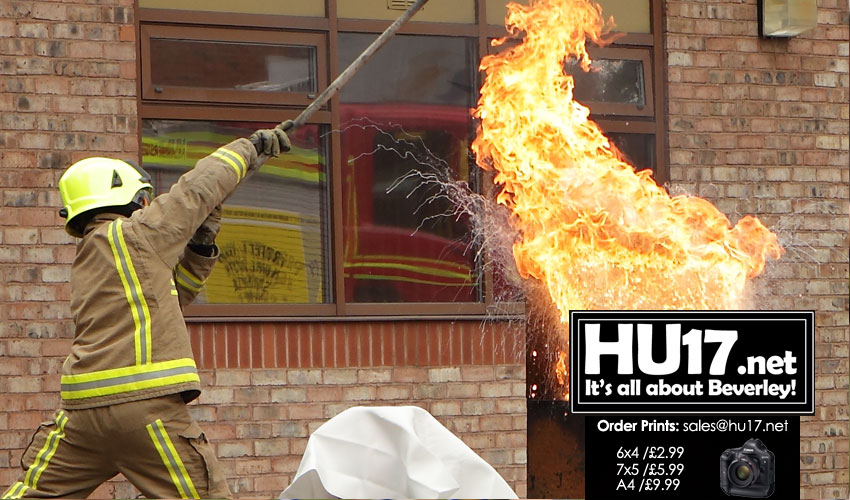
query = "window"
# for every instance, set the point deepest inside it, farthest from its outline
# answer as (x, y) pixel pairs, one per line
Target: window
(619, 82)
(405, 119)
(274, 240)
(624, 89)
(231, 66)
(350, 222)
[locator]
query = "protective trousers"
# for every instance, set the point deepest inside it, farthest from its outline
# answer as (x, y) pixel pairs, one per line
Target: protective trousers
(154, 443)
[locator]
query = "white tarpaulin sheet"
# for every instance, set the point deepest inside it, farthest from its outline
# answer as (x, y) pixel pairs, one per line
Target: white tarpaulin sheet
(391, 452)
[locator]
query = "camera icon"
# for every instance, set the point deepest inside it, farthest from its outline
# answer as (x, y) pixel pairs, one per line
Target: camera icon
(748, 471)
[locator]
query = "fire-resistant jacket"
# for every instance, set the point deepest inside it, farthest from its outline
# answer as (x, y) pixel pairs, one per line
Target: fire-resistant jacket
(130, 280)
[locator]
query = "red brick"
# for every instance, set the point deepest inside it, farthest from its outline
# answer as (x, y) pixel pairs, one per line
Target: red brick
(83, 13)
(409, 374)
(120, 51)
(38, 217)
(397, 352)
(370, 376)
(69, 105)
(341, 354)
(328, 346)
(67, 30)
(104, 69)
(391, 392)
(378, 352)
(271, 483)
(32, 30)
(347, 344)
(127, 33)
(462, 391)
(245, 346)
(127, 70)
(432, 346)
(305, 355)
(706, 59)
(8, 27)
(219, 345)
(119, 88)
(103, 106)
(85, 50)
(359, 393)
(87, 86)
(319, 394)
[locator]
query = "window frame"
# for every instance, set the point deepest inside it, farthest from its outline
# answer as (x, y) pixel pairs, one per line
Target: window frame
(602, 108)
(325, 32)
(151, 92)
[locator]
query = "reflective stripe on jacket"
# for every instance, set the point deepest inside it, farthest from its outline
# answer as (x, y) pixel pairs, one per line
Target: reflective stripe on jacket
(130, 280)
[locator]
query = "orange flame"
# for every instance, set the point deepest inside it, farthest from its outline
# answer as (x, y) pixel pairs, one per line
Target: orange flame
(596, 233)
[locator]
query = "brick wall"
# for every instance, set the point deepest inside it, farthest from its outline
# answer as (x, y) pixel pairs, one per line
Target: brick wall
(67, 90)
(761, 127)
(757, 126)
(268, 386)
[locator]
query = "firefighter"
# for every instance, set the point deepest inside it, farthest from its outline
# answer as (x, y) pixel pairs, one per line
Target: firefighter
(130, 373)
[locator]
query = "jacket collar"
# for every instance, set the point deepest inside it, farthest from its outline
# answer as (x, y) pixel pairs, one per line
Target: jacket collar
(99, 219)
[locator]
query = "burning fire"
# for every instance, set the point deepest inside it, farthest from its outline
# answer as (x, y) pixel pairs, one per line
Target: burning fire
(596, 233)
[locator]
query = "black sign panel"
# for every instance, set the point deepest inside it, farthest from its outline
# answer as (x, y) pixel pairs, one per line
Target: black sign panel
(692, 456)
(692, 362)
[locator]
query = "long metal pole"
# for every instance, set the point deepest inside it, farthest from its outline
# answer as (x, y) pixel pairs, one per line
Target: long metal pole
(354, 67)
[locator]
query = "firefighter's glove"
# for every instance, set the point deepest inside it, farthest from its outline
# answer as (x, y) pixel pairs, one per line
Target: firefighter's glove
(269, 142)
(205, 235)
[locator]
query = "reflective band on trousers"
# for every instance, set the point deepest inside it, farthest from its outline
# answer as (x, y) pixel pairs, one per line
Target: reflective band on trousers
(42, 459)
(168, 453)
(129, 379)
(17, 490)
(133, 291)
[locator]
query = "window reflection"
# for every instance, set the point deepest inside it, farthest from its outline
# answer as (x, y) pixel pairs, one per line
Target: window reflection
(274, 236)
(637, 149)
(233, 65)
(617, 81)
(405, 117)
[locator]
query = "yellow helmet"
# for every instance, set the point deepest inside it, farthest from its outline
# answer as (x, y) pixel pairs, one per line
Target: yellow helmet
(97, 182)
